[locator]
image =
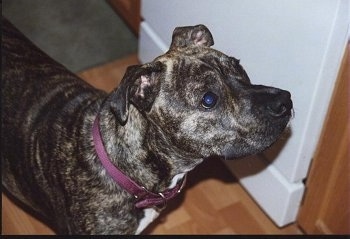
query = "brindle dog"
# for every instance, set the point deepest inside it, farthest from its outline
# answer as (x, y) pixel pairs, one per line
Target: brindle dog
(166, 117)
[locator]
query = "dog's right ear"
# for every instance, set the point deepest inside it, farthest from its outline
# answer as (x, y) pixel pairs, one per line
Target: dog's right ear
(198, 35)
(139, 86)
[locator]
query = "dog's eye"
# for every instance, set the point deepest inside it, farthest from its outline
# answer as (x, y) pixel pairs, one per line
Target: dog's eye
(209, 100)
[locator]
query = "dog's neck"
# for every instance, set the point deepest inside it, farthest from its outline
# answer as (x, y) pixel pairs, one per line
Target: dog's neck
(143, 162)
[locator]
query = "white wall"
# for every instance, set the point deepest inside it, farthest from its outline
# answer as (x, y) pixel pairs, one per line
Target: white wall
(295, 45)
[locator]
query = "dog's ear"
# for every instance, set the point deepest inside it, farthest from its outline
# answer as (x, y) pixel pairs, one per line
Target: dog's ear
(198, 35)
(139, 86)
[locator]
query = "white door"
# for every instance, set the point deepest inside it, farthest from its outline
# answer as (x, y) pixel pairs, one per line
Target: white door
(295, 45)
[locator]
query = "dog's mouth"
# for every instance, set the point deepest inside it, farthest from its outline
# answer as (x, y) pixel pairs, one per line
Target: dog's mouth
(253, 145)
(231, 152)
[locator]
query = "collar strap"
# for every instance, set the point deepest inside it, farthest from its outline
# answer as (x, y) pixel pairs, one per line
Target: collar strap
(144, 197)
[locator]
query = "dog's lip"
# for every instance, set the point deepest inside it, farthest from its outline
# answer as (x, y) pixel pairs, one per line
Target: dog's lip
(233, 154)
(230, 152)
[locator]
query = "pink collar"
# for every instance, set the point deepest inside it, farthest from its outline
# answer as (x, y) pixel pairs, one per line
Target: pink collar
(144, 197)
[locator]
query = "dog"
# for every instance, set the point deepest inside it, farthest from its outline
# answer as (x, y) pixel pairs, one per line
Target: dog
(96, 163)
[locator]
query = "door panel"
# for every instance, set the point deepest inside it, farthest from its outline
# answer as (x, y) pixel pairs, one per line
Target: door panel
(326, 206)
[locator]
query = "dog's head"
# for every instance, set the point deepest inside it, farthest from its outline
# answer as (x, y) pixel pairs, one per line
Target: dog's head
(202, 100)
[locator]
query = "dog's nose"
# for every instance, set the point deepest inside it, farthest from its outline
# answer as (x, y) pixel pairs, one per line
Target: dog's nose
(280, 105)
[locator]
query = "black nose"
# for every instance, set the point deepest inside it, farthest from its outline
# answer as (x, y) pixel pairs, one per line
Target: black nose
(280, 104)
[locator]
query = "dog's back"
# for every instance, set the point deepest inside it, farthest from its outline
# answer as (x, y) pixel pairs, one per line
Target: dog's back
(49, 162)
(39, 98)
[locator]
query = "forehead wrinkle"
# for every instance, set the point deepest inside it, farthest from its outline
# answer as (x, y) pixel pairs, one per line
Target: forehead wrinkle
(224, 64)
(169, 69)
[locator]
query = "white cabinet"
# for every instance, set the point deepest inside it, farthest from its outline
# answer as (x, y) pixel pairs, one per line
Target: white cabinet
(295, 45)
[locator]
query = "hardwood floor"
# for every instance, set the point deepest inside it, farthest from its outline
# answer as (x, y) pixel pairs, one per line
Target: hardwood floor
(213, 202)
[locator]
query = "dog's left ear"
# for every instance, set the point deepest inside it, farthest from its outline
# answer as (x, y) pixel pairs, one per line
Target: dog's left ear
(139, 86)
(198, 35)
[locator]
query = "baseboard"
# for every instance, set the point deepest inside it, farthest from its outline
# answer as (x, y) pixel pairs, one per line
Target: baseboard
(279, 198)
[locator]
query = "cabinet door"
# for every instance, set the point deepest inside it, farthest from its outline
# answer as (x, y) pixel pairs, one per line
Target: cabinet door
(129, 10)
(326, 208)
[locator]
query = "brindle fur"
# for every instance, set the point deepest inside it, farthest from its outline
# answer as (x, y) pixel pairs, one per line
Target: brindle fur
(153, 127)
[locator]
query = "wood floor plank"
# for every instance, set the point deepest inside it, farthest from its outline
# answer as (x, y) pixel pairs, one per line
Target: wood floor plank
(240, 216)
(108, 76)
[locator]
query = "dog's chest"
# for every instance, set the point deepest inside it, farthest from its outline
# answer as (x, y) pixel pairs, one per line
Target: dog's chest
(150, 214)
